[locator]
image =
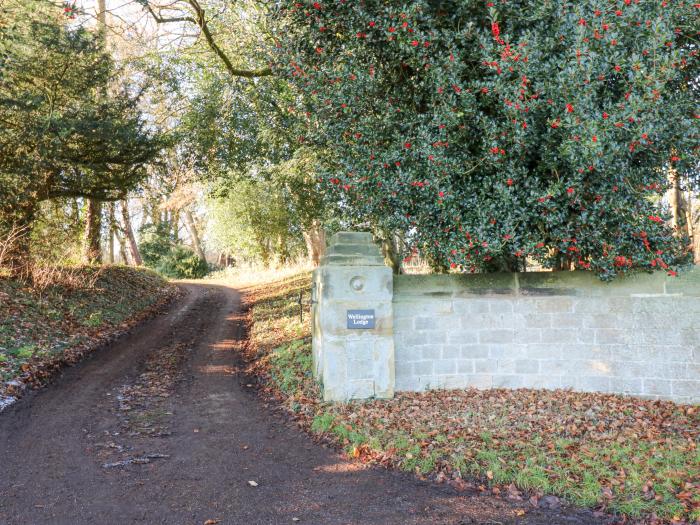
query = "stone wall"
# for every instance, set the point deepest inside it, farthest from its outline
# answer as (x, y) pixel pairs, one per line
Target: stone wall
(638, 335)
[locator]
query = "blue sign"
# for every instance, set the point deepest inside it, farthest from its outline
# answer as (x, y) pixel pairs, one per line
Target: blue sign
(360, 319)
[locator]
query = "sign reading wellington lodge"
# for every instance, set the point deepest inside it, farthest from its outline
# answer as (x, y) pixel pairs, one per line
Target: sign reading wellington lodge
(360, 319)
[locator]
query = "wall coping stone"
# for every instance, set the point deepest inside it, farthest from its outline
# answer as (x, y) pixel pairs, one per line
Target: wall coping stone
(576, 283)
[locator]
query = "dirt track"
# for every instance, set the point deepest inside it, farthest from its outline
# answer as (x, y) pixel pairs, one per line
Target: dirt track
(217, 436)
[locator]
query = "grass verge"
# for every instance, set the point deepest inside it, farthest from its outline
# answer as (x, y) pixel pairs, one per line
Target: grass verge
(634, 458)
(43, 328)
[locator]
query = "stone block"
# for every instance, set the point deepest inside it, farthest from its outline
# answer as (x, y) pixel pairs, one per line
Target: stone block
(351, 237)
(544, 351)
(476, 322)
(462, 306)
(434, 323)
(445, 366)
(479, 380)
(451, 352)
(585, 336)
(622, 305)
(689, 389)
(360, 370)
(408, 353)
(539, 320)
(528, 336)
(501, 306)
(361, 389)
(592, 384)
(625, 352)
(496, 336)
(586, 351)
(465, 366)
(422, 338)
(632, 386)
(592, 367)
(507, 351)
(656, 387)
(555, 305)
(607, 336)
(560, 335)
(403, 324)
(567, 381)
(567, 320)
(527, 366)
(505, 366)
(403, 369)
(408, 383)
(452, 381)
(359, 350)
(474, 351)
(629, 369)
(601, 320)
(485, 366)
(690, 336)
(541, 381)
(554, 367)
(431, 351)
(423, 368)
(668, 370)
(507, 381)
(660, 337)
(459, 336)
(334, 364)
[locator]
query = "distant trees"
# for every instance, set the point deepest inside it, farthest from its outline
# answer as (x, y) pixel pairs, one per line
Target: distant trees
(66, 129)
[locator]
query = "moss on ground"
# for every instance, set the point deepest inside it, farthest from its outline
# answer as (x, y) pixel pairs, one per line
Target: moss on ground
(39, 325)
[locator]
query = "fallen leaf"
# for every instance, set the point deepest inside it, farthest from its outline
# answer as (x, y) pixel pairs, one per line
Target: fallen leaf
(212, 522)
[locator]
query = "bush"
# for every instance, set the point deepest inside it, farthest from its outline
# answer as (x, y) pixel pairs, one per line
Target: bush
(182, 263)
(160, 253)
(494, 132)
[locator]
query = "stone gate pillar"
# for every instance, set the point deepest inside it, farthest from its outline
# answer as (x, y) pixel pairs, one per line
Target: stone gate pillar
(352, 320)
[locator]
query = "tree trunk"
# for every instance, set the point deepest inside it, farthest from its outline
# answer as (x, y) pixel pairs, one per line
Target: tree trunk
(390, 250)
(194, 235)
(131, 238)
(92, 252)
(122, 247)
(175, 225)
(315, 237)
(694, 227)
(680, 225)
(112, 233)
(283, 250)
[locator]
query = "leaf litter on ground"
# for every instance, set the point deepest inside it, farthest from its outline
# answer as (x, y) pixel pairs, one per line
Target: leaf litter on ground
(635, 458)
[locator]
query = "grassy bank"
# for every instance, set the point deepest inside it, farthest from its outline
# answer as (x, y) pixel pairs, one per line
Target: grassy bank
(635, 458)
(55, 322)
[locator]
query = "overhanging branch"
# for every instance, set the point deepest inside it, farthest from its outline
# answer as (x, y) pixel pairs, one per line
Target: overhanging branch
(200, 21)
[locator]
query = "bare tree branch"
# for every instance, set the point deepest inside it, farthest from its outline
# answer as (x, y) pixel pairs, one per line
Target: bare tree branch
(200, 21)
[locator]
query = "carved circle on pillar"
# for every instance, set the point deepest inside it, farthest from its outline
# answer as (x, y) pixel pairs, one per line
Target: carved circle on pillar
(357, 283)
